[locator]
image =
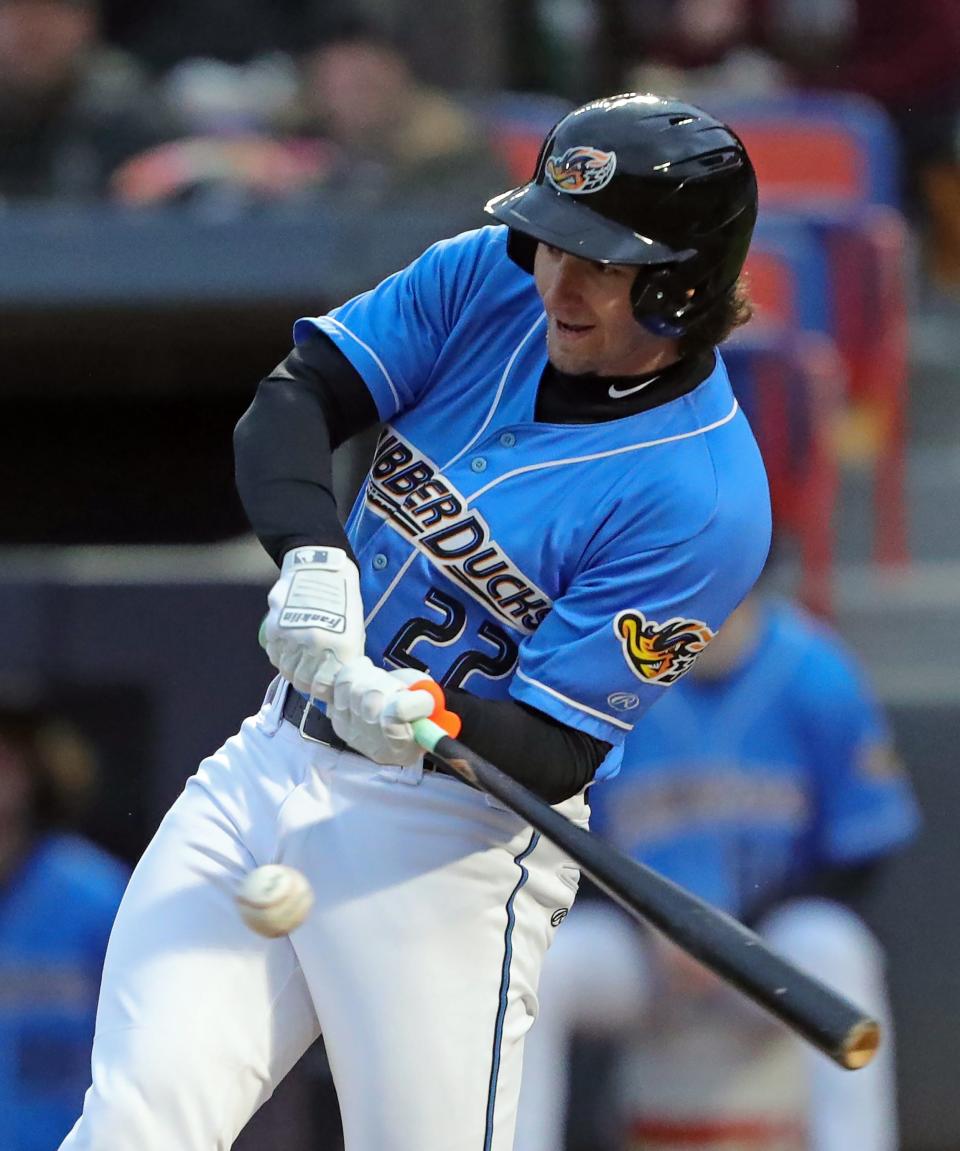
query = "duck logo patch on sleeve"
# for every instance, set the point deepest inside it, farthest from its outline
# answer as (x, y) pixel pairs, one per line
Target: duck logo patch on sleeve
(660, 652)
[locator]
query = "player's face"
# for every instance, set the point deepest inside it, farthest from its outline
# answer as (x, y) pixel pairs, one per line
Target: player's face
(591, 327)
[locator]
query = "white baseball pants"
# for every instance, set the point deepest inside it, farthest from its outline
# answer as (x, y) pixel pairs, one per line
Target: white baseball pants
(419, 962)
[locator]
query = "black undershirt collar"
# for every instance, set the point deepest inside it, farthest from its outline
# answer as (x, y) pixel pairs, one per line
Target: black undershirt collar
(587, 399)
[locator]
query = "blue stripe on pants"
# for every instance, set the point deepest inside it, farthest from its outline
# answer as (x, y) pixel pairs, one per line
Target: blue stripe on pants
(505, 987)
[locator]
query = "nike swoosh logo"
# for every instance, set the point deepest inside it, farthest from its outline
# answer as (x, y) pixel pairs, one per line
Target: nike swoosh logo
(616, 393)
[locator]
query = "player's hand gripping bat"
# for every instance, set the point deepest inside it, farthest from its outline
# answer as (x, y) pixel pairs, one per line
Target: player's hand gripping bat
(718, 941)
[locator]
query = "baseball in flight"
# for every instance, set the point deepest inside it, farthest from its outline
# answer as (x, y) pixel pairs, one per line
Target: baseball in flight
(274, 900)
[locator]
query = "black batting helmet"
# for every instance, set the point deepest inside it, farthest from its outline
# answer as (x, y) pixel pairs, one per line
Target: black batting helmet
(638, 179)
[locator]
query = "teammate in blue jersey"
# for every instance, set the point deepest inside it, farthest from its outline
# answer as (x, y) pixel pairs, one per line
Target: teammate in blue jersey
(767, 784)
(760, 780)
(565, 504)
(58, 896)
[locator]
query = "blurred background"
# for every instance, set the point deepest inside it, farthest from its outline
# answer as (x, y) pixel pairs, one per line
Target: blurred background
(180, 181)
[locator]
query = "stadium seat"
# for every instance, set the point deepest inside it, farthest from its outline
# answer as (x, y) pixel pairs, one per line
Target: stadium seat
(788, 275)
(791, 387)
(831, 163)
(824, 150)
(868, 255)
(854, 290)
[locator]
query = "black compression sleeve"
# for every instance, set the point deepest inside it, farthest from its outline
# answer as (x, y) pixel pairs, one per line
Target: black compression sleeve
(553, 760)
(283, 444)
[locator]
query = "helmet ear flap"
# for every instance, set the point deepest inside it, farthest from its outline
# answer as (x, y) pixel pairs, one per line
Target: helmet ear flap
(522, 249)
(659, 302)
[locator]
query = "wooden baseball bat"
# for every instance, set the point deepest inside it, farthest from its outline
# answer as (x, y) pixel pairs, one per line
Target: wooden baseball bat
(717, 940)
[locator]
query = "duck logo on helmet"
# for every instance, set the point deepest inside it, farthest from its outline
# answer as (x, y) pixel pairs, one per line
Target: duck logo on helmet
(581, 170)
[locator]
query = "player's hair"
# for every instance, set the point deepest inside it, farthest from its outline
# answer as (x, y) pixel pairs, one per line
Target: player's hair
(732, 311)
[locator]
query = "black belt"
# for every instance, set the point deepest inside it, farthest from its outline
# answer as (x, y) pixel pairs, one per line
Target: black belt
(317, 726)
(314, 725)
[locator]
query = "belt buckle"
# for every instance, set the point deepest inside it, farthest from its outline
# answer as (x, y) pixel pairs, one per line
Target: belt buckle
(302, 725)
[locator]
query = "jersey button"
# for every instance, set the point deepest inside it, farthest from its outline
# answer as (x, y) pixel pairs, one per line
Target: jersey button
(379, 561)
(479, 464)
(508, 439)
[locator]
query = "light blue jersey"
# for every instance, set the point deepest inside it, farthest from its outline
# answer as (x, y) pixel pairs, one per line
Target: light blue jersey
(56, 911)
(579, 568)
(743, 788)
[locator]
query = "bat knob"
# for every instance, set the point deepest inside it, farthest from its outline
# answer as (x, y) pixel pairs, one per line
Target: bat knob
(860, 1045)
(448, 720)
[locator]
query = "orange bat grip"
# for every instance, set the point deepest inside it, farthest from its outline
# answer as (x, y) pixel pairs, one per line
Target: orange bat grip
(448, 720)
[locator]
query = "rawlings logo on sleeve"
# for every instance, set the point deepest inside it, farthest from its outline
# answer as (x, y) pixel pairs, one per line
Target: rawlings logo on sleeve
(409, 491)
(660, 652)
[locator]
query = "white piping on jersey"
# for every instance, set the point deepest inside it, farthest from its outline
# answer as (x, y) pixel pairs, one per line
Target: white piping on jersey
(390, 586)
(370, 352)
(496, 399)
(573, 703)
(362, 498)
(601, 455)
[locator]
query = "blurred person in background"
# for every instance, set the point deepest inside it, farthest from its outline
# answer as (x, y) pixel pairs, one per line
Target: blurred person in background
(706, 49)
(702, 48)
(765, 782)
(71, 108)
(164, 33)
(58, 897)
(905, 55)
(355, 127)
(685, 47)
(392, 133)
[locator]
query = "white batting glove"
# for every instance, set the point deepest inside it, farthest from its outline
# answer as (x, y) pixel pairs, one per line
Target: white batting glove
(373, 709)
(315, 620)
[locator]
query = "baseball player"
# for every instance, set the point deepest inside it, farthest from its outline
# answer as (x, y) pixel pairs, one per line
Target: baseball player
(767, 784)
(565, 504)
